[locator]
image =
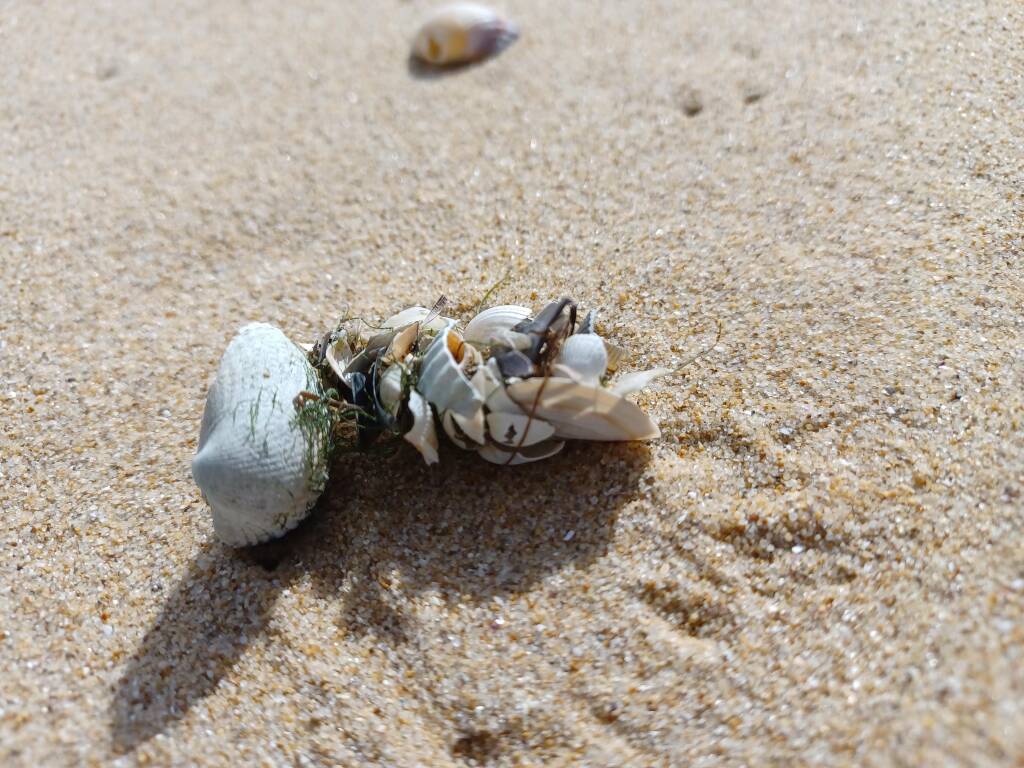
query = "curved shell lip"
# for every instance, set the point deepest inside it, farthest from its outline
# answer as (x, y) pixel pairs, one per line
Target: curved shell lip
(496, 454)
(389, 388)
(493, 327)
(238, 532)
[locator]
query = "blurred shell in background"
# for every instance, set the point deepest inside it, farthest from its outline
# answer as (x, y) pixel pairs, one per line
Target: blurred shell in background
(461, 34)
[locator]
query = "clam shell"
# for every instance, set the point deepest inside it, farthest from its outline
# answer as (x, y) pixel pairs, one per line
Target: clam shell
(585, 355)
(494, 325)
(462, 33)
(262, 461)
(581, 412)
(442, 381)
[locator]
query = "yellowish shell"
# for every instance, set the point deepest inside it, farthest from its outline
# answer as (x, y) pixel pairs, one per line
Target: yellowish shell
(462, 33)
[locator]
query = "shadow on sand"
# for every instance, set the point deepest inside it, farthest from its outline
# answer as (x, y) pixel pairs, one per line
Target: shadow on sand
(420, 70)
(462, 528)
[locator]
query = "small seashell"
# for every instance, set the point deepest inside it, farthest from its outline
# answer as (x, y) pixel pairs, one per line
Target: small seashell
(494, 326)
(345, 364)
(406, 317)
(442, 381)
(416, 315)
(262, 460)
(423, 436)
(462, 33)
(377, 342)
(515, 430)
(514, 364)
(581, 412)
(589, 323)
(585, 355)
(471, 427)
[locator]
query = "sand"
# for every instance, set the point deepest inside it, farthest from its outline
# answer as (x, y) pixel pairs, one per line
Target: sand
(821, 560)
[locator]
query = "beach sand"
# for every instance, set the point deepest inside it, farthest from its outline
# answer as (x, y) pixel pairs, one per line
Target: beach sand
(820, 562)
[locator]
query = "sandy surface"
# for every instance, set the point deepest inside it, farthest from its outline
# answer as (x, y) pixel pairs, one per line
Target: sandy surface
(822, 560)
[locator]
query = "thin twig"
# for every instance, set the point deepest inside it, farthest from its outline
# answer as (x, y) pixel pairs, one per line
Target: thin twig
(501, 280)
(699, 355)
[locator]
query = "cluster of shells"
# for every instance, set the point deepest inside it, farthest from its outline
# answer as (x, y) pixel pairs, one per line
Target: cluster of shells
(511, 385)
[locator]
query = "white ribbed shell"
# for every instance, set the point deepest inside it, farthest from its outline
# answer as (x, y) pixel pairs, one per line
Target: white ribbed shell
(261, 464)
